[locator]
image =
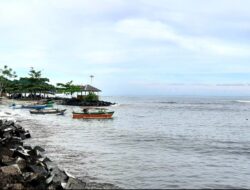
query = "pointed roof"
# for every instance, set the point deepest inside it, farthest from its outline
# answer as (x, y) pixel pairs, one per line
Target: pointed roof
(89, 88)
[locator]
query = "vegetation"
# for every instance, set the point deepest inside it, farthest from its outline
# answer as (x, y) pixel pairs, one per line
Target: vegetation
(68, 88)
(35, 85)
(5, 75)
(91, 97)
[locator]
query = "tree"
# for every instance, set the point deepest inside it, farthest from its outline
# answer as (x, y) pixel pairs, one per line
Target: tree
(6, 74)
(35, 74)
(68, 88)
(34, 83)
(91, 97)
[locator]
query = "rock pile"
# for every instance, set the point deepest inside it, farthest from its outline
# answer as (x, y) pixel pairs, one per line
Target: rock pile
(24, 167)
(78, 102)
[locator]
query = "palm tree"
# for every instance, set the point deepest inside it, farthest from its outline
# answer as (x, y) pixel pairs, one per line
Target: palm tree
(68, 88)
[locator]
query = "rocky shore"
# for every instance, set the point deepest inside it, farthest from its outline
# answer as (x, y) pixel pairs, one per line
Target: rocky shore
(25, 167)
(78, 102)
(70, 101)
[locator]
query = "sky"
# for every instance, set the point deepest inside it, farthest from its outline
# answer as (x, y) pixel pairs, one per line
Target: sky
(132, 47)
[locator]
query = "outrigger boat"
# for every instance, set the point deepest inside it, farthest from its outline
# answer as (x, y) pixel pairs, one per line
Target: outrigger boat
(93, 113)
(48, 111)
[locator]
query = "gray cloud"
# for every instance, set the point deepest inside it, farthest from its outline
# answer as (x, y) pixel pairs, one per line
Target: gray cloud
(123, 41)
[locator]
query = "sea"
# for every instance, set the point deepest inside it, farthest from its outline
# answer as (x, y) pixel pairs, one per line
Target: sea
(151, 142)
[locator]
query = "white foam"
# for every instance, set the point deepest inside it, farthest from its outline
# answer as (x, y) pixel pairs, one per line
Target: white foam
(6, 115)
(243, 101)
(3, 114)
(115, 105)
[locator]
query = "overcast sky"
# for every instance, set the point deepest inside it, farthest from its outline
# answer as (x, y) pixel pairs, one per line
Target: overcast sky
(131, 46)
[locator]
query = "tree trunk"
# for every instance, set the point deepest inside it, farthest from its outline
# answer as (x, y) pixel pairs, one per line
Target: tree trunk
(1, 89)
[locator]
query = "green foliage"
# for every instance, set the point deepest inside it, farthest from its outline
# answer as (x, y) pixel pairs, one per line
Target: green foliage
(34, 83)
(35, 74)
(6, 74)
(68, 88)
(91, 97)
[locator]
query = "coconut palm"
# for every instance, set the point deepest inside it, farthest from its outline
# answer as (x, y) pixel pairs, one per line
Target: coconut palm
(68, 88)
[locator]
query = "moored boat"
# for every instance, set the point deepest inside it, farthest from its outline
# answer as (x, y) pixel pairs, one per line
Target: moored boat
(31, 106)
(47, 111)
(93, 113)
(34, 106)
(14, 106)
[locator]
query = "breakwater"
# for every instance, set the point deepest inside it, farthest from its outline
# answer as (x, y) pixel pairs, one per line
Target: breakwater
(25, 167)
(78, 102)
(68, 101)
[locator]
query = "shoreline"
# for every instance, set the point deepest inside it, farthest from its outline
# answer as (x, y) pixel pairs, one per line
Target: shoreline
(34, 170)
(64, 101)
(25, 167)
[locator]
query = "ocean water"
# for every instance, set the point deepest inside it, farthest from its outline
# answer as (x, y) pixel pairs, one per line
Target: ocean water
(152, 142)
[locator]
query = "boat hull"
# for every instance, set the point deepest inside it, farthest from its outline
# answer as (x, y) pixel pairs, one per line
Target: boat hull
(107, 115)
(61, 112)
(35, 107)
(29, 106)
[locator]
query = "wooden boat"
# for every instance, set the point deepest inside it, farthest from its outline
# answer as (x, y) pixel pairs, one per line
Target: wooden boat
(48, 111)
(14, 106)
(32, 106)
(93, 113)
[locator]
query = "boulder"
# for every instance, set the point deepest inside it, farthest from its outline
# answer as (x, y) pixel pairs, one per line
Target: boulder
(21, 163)
(24, 167)
(7, 160)
(74, 183)
(11, 170)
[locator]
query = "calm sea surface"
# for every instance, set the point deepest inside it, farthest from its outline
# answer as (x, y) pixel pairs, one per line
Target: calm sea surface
(152, 142)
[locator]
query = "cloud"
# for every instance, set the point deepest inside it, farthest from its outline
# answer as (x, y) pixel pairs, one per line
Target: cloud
(142, 29)
(166, 41)
(15, 13)
(104, 57)
(24, 58)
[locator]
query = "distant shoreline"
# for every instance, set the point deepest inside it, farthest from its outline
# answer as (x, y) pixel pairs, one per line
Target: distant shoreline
(66, 101)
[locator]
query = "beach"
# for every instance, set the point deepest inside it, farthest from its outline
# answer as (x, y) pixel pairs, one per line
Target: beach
(23, 165)
(125, 94)
(152, 142)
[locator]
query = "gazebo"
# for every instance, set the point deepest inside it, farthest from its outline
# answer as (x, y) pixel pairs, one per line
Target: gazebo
(88, 89)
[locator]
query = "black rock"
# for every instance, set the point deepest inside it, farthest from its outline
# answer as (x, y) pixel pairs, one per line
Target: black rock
(74, 183)
(27, 135)
(39, 148)
(23, 167)
(40, 170)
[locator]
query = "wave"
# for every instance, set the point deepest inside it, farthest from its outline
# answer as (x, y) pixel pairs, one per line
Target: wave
(242, 101)
(121, 105)
(5, 114)
(167, 102)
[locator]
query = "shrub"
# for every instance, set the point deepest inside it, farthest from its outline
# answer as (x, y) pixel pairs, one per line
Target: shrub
(91, 97)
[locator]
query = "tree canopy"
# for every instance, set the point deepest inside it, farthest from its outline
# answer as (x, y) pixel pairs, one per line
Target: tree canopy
(33, 84)
(6, 74)
(68, 88)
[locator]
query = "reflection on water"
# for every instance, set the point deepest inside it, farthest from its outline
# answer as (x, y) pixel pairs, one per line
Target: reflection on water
(153, 142)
